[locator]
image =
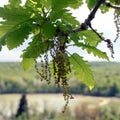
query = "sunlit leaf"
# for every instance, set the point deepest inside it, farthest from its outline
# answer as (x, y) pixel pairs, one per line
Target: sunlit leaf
(27, 63)
(34, 48)
(76, 4)
(82, 70)
(17, 37)
(15, 3)
(89, 37)
(70, 19)
(93, 50)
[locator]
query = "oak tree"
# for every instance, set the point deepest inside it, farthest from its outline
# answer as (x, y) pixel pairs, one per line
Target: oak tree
(52, 28)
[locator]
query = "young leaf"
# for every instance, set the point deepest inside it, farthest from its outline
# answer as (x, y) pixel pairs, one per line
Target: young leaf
(27, 63)
(89, 37)
(15, 3)
(54, 15)
(11, 13)
(91, 3)
(59, 4)
(70, 19)
(94, 50)
(75, 4)
(49, 30)
(81, 70)
(9, 32)
(17, 37)
(74, 37)
(5, 29)
(34, 48)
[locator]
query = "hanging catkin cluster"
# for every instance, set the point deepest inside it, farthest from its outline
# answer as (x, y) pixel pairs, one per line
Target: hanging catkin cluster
(43, 69)
(117, 20)
(60, 65)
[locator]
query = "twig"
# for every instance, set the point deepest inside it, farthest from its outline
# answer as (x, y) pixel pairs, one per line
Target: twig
(110, 46)
(87, 22)
(108, 4)
(95, 31)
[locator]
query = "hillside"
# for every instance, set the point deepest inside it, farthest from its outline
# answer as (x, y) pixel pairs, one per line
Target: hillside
(14, 80)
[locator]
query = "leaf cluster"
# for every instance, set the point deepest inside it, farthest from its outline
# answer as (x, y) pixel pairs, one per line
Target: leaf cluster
(46, 20)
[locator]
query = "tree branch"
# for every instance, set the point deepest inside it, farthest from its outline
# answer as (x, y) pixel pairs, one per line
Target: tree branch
(108, 4)
(87, 22)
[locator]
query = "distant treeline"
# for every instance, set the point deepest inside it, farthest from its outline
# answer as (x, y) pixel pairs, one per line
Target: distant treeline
(14, 80)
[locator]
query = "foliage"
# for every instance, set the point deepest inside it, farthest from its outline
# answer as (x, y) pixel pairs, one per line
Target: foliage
(53, 29)
(82, 71)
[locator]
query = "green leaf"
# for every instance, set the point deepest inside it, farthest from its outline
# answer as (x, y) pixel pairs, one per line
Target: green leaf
(91, 3)
(82, 70)
(59, 4)
(14, 18)
(49, 30)
(27, 63)
(113, 1)
(89, 37)
(70, 19)
(104, 8)
(34, 48)
(34, 6)
(15, 3)
(94, 50)
(63, 26)
(17, 37)
(5, 29)
(74, 37)
(18, 14)
(12, 33)
(41, 3)
(0, 47)
(59, 9)
(76, 4)
(54, 15)
(36, 1)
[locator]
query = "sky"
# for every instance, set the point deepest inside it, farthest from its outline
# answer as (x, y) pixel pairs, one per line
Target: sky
(102, 22)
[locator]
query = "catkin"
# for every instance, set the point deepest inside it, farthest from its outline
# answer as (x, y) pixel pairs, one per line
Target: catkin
(117, 21)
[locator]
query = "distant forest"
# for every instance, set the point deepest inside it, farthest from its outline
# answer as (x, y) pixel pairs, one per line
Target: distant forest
(13, 79)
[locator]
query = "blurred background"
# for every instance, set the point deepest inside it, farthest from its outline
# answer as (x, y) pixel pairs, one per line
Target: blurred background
(24, 97)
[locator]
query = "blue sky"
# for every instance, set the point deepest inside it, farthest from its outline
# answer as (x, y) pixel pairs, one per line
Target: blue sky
(102, 22)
